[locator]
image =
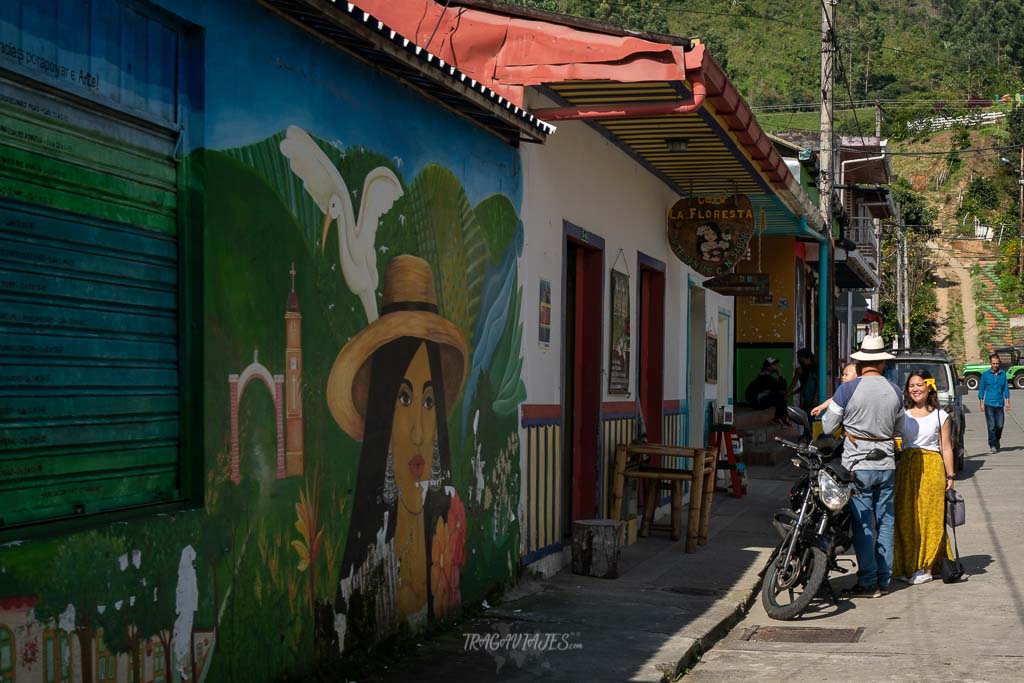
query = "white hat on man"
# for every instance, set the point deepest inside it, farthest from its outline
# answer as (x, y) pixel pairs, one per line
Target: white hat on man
(872, 349)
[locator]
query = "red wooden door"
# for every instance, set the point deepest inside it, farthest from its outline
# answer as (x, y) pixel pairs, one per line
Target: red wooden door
(585, 359)
(651, 375)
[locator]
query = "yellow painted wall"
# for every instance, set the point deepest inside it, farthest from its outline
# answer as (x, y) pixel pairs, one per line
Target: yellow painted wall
(769, 324)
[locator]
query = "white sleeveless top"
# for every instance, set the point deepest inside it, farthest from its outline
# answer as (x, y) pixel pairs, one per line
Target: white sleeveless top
(923, 432)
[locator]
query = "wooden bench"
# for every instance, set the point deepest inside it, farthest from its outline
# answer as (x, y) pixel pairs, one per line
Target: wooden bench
(635, 461)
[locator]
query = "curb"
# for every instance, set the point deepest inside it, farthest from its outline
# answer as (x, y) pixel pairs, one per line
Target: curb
(701, 645)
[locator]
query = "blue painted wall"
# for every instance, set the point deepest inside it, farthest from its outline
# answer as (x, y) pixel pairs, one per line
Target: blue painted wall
(266, 568)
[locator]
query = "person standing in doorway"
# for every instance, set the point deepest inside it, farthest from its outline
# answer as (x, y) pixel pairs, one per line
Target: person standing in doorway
(994, 397)
(805, 379)
(870, 410)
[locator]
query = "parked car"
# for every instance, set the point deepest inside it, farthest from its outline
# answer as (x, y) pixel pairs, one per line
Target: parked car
(947, 383)
(1010, 362)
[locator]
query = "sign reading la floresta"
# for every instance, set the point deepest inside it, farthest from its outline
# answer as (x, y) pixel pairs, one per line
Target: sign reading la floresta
(710, 233)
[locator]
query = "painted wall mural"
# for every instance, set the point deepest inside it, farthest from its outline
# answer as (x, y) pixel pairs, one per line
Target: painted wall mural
(411, 381)
(362, 454)
(362, 356)
(362, 451)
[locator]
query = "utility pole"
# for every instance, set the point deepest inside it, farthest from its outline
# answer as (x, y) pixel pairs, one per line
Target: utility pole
(899, 278)
(826, 177)
(826, 146)
(906, 289)
(878, 119)
(1020, 224)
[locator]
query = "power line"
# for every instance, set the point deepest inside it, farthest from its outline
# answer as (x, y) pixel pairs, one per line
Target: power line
(834, 38)
(866, 104)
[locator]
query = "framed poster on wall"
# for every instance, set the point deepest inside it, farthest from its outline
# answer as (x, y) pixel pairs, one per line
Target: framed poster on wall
(711, 358)
(618, 347)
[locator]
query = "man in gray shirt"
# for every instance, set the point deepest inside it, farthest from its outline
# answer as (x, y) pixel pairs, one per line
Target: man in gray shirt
(870, 410)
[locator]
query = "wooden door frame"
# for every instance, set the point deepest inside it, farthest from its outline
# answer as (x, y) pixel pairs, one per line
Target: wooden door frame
(584, 490)
(651, 359)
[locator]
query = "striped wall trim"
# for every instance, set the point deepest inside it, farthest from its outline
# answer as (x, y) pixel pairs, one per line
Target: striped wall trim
(541, 523)
(673, 407)
(530, 558)
(539, 414)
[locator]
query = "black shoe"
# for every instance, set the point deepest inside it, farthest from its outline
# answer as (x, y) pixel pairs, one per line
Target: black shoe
(860, 591)
(884, 590)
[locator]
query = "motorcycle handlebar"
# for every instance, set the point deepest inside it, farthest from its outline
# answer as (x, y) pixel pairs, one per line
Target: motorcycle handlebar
(801, 450)
(790, 444)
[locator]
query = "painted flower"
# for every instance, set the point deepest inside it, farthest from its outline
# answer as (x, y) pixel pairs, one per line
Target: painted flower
(457, 534)
(29, 654)
(441, 571)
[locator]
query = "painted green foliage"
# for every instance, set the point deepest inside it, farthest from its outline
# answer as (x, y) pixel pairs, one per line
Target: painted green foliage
(264, 203)
(268, 550)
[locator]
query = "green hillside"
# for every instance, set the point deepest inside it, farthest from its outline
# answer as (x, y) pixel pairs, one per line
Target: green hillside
(898, 51)
(916, 59)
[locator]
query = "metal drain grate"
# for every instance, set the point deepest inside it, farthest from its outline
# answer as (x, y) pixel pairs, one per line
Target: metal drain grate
(802, 634)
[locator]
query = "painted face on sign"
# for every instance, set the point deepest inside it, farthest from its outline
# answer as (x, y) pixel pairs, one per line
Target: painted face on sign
(413, 430)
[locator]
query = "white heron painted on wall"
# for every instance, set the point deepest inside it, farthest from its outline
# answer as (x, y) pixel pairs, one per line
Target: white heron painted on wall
(356, 234)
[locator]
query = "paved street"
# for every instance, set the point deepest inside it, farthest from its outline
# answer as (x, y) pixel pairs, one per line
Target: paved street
(968, 631)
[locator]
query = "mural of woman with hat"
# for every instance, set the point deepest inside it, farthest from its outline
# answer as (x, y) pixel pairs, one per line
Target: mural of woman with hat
(392, 388)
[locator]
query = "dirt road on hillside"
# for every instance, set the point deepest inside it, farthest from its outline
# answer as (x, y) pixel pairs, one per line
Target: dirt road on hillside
(953, 283)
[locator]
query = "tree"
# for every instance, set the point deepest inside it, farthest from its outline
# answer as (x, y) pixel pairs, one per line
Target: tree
(920, 276)
(83, 576)
(120, 618)
(917, 215)
(1015, 127)
(161, 559)
(638, 15)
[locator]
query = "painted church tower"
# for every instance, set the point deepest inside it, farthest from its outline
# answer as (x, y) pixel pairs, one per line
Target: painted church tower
(293, 381)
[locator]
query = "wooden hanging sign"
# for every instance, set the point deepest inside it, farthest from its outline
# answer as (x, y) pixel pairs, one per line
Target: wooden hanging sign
(710, 233)
(739, 284)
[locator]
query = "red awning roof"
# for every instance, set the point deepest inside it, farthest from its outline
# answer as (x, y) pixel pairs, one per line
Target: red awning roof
(584, 67)
(508, 53)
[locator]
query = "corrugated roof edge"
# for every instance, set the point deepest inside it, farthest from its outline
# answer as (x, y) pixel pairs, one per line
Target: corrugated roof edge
(436, 62)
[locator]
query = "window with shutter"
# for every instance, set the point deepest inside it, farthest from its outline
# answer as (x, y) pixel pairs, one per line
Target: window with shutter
(91, 263)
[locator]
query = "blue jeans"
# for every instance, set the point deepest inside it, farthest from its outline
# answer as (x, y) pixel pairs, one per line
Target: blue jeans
(994, 421)
(874, 520)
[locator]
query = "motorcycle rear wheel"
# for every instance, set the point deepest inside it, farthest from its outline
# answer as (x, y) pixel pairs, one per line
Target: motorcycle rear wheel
(810, 567)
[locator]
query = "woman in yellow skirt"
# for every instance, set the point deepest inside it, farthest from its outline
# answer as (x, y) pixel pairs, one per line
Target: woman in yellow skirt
(923, 475)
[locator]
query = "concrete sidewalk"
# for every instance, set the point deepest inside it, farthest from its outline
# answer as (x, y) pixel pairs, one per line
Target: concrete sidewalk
(967, 631)
(665, 608)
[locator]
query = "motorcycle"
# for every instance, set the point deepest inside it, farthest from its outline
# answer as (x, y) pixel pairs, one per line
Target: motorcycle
(816, 528)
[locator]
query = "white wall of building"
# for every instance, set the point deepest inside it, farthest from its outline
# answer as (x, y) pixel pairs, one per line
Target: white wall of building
(579, 176)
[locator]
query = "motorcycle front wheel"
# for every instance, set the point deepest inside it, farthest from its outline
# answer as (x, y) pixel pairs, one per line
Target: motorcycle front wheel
(787, 590)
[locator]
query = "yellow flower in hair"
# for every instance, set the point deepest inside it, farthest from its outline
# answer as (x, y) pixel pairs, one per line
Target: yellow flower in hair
(931, 383)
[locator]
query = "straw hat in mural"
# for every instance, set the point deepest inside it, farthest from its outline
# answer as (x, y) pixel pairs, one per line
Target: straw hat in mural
(409, 310)
(871, 349)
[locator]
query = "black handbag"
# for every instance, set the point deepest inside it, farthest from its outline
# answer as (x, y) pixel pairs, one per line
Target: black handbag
(956, 510)
(952, 567)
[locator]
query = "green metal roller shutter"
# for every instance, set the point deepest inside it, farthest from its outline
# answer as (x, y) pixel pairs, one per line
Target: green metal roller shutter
(89, 338)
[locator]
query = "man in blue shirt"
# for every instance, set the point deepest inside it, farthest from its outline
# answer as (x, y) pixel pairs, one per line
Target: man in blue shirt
(994, 396)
